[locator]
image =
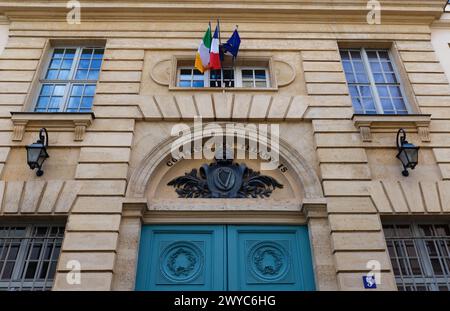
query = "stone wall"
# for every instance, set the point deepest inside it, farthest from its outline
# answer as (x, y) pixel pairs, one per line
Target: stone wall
(90, 165)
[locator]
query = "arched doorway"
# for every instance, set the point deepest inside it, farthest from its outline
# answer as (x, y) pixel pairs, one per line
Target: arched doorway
(226, 244)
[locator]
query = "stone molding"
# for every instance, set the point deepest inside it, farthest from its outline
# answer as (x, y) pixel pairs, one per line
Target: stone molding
(38, 197)
(134, 208)
(303, 171)
(368, 124)
(394, 10)
(315, 208)
(76, 122)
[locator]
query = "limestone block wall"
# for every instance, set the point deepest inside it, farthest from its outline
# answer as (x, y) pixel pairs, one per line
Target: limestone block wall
(359, 188)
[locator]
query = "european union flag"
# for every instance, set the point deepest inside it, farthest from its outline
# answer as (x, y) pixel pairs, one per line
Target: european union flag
(232, 45)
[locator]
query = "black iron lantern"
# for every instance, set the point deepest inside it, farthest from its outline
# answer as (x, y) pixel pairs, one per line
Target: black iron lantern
(408, 153)
(37, 152)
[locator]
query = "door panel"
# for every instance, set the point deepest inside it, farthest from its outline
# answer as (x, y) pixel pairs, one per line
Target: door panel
(269, 258)
(221, 257)
(181, 258)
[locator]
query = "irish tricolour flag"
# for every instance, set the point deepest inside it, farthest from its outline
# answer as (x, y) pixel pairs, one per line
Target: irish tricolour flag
(203, 52)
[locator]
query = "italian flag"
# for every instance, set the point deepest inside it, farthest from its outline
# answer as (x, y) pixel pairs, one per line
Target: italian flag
(202, 56)
(214, 58)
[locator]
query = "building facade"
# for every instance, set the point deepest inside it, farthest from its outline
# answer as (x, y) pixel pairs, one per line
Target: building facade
(118, 209)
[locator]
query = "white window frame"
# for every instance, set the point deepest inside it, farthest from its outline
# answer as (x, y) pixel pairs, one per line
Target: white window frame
(192, 77)
(373, 86)
(237, 77)
(430, 278)
(69, 82)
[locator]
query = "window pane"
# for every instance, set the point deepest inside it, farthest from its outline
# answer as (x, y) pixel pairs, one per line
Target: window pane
(81, 75)
(355, 55)
(359, 66)
(63, 74)
(247, 74)
(375, 67)
(369, 105)
(361, 78)
(197, 84)
(89, 64)
(93, 75)
(260, 74)
(184, 83)
(60, 64)
(47, 89)
(98, 53)
(247, 83)
(86, 102)
(58, 53)
(87, 53)
(52, 75)
(66, 64)
(84, 64)
(387, 66)
(59, 90)
(89, 90)
(347, 67)
(55, 64)
(344, 55)
(383, 55)
(70, 53)
(55, 104)
(187, 72)
(96, 63)
(77, 90)
(365, 91)
(260, 84)
(390, 78)
(74, 103)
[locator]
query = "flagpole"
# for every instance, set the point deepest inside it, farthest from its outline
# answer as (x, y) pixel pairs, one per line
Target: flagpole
(218, 26)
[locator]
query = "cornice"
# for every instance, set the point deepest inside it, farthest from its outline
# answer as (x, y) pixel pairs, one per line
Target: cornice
(325, 10)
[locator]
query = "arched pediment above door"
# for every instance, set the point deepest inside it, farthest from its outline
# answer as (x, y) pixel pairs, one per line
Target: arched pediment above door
(152, 171)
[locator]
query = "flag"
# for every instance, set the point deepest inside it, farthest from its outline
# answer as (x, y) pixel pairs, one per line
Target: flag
(214, 57)
(232, 45)
(202, 56)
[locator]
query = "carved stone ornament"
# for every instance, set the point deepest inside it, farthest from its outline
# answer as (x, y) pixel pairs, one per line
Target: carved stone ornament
(160, 72)
(224, 179)
(284, 72)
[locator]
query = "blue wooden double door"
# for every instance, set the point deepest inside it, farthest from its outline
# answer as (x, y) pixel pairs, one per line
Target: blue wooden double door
(224, 257)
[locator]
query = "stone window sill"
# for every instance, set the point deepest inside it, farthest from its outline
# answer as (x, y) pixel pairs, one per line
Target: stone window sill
(223, 89)
(59, 121)
(369, 123)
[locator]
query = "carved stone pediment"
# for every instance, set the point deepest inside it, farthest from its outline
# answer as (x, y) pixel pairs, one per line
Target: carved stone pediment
(224, 179)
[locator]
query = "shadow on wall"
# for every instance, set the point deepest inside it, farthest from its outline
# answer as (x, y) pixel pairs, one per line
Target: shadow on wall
(4, 31)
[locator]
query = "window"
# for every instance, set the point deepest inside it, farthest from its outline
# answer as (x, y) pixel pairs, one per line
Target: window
(222, 78)
(254, 77)
(373, 82)
(70, 80)
(227, 77)
(420, 255)
(28, 256)
(190, 77)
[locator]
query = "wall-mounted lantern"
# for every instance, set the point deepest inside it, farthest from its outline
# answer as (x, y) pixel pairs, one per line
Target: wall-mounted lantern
(408, 153)
(37, 152)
